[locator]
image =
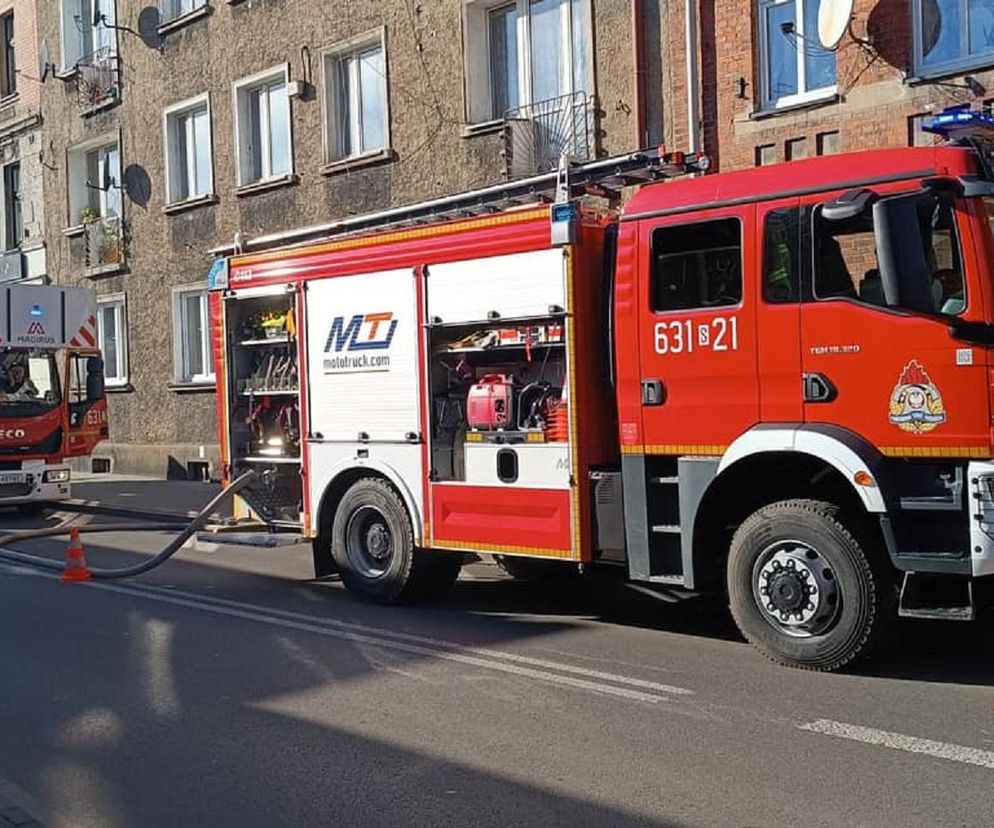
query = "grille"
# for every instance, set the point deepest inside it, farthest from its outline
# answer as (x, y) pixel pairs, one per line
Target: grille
(15, 489)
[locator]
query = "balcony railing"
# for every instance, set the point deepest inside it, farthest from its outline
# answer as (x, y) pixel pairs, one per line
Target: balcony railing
(104, 243)
(97, 82)
(537, 135)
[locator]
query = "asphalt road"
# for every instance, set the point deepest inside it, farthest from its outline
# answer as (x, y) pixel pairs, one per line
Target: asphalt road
(228, 689)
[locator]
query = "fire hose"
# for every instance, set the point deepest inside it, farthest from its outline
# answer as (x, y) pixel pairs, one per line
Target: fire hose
(130, 571)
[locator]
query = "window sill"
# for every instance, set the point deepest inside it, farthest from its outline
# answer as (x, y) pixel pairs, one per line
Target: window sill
(175, 23)
(357, 162)
(103, 270)
(198, 387)
(75, 230)
(483, 128)
(175, 207)
(266, 185)
(67, 74)
(943, 73)
(119, 388)
(112, 101)
(813, 103)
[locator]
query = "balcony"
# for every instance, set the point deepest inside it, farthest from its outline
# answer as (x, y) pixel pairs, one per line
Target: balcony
(103, 245)
(97, 81)
(537, 135)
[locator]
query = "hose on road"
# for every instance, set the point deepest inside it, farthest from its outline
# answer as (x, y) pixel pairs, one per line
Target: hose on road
(129, 571)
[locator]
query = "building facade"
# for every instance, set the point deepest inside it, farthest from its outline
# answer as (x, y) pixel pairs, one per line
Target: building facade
(178, 127)
(764, 90)
(22, 153)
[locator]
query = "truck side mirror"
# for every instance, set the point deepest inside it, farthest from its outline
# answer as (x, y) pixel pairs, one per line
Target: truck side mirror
(94, 379)
(904, 269)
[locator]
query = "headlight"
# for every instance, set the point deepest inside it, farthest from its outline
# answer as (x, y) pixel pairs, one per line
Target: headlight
(56, 476)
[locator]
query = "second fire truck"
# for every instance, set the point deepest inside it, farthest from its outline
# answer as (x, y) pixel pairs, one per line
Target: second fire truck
(777, 382)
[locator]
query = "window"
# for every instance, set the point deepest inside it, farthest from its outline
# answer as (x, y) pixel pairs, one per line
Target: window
(8, 69)
(846, 256)
(191, 332)
(112, 336)
(80, 38)
(523, 52)
(794, 68)
(697, 265)
(94, 181)
(356, 107)
(786, 255)
(263, 128)
(172, 9)
(12, 217)
(952, 34)
(189, 171)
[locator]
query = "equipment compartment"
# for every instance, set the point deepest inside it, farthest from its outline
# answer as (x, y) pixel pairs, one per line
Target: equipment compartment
(499, 384)
(264, 402)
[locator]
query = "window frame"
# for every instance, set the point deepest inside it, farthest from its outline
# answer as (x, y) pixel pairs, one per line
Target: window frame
(8, 62)
(171, 147)
(241, 90)
(951, 67)
(12, 206)
(120, 302)
(70, 60)
(177, 12)
(81, 151)
(331, 126)
(804, 95)
(180, 375)
(479, 105)
(651, 285)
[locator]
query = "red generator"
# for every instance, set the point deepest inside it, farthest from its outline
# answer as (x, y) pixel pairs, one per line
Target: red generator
(489, 403)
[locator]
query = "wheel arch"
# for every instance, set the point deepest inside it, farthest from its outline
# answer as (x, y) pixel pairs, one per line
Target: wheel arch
(766, 465)
(342, 476)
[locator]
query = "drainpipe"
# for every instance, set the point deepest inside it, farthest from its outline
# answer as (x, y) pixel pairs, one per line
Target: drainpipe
(638, 60)
(693, 95)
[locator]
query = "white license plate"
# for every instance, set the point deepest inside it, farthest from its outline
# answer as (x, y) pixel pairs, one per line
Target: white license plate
(11, 478)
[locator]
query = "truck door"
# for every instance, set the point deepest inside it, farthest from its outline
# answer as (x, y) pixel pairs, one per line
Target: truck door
(86, 402)
(894, 375)
(697, 338)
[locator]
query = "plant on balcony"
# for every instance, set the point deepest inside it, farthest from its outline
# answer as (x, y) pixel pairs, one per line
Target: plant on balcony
(109, 249)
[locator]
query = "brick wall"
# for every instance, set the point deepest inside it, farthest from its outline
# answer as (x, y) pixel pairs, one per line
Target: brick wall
(875, 101)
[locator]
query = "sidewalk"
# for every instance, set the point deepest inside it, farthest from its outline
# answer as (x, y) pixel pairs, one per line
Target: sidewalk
(150, 497)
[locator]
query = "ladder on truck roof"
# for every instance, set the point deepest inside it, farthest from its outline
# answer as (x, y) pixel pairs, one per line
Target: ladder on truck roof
(604, 177)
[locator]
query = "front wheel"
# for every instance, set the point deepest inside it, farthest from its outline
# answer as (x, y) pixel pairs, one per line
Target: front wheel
(373, 547)
(804, 589)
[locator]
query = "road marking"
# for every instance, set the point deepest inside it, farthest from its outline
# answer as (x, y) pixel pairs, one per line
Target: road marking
(432, 648)
(483, 652)
(899, 741)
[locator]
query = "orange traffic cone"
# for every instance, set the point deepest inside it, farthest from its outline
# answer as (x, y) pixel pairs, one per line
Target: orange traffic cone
(76, 570)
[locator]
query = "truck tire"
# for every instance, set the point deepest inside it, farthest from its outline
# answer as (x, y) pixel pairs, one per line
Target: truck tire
(373, 546)
(805, 589)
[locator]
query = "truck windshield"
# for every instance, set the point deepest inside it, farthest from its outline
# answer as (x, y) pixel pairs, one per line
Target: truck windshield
(29, 382)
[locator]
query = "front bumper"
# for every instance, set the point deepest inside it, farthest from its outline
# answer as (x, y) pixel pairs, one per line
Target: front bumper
(29, 486)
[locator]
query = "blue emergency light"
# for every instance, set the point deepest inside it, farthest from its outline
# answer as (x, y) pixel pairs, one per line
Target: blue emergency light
(36, 310)
(953, 124)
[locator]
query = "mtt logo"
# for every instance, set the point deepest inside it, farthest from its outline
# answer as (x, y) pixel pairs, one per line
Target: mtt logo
(361, 333)
(12, 433)
(364, 332)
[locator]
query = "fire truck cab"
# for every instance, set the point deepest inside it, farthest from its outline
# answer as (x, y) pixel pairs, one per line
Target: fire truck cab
(52, 403)
(776, 382)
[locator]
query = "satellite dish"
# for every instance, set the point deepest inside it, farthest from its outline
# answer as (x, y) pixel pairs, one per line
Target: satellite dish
(45, 65)
(98, 15)
(833, 21)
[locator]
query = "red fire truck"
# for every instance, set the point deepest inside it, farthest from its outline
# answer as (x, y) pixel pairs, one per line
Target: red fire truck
(776, 382)
(52, 403)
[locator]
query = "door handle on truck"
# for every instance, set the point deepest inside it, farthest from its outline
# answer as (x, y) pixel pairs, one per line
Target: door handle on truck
(653, 392)
(818, 388)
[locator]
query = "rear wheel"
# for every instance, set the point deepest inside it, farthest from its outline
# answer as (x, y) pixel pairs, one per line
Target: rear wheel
(805, 589)
(373, 546)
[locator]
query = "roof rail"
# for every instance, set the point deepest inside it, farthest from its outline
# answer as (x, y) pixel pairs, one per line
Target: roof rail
(603, 177)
